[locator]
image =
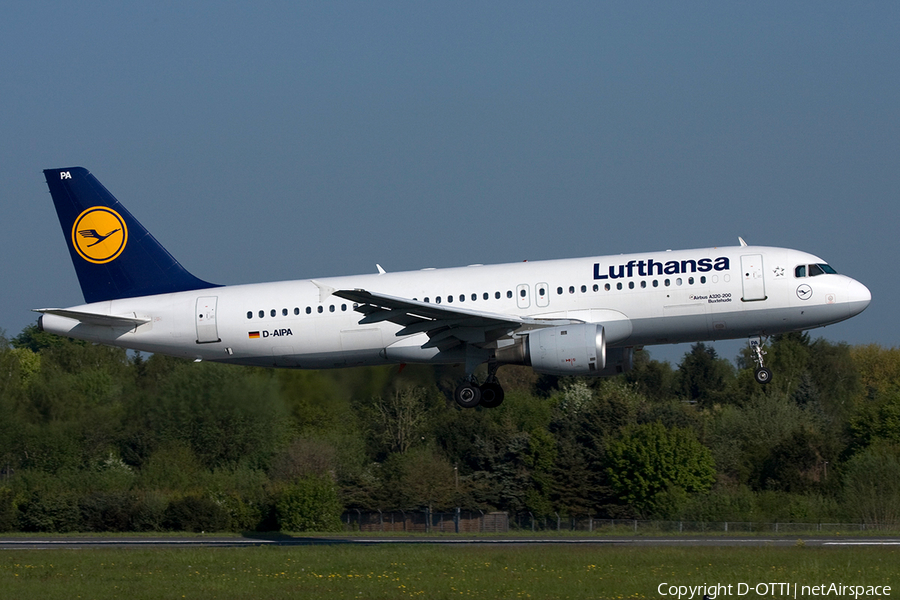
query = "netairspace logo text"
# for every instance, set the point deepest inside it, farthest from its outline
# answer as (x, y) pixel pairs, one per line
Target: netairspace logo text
(776, 589)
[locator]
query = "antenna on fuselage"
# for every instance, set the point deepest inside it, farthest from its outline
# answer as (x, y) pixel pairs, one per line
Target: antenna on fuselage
(741, 240)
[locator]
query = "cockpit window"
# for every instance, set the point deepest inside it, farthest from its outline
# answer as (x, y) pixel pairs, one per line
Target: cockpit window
(814, 270)
(821, 269)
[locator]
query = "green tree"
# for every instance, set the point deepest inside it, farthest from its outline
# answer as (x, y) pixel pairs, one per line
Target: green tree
(427, 479)
(742, 437)
(225, 414)
(649, 462)
(878, 369)
(872, 485)
(703, 376)
(401, 417)
(877, 418)
(653, 379)
(309, 504)
(797, 463)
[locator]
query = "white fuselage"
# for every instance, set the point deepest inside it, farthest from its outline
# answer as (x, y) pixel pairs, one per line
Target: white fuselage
(641, 299)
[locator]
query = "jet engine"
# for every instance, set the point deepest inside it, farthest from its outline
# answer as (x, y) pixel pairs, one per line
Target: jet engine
(568, 350)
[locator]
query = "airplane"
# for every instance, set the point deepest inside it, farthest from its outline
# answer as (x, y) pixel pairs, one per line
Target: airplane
(580, 317)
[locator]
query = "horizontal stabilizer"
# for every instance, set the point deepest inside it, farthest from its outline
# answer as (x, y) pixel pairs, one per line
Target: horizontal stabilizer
(95, 318)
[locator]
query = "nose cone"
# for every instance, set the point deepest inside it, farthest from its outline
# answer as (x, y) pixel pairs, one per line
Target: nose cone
(858, 297)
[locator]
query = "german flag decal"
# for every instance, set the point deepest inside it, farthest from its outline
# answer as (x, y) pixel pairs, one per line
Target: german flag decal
(254, 335)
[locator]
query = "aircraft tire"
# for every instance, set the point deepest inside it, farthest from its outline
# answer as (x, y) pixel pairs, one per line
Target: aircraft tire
(467, 395)
(763, 375)
(492, 395)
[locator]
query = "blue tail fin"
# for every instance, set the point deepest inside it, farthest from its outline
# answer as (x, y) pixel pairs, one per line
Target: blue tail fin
(114, 256)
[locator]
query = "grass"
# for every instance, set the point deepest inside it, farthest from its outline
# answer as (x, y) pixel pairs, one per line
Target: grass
(352, 571)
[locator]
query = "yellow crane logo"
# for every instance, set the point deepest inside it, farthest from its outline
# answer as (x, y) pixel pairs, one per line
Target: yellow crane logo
(99, 235)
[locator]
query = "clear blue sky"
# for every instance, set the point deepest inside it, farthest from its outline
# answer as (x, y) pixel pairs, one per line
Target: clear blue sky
(282, 140)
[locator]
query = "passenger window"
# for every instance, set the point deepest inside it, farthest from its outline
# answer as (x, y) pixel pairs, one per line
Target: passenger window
(249, 314)
(596, 288)
(703, 279)
(542, 292)
(272, 312)
(690, 281)
(308, 310)
(475, 297)
(284, 312)
(426, 299)
(630, 285)
(800, 271)
(320, 309)
(583, 289)
(644, 283)
(655, 283)
(571, 289)
(497, 295)
(619, 286)
(450, 299)
(559, 291)
(606, 287)
(678, 281)
(667, 283)
(437, 300)
(522, 293)
(508, 294)
(486, 296)
(262, 314)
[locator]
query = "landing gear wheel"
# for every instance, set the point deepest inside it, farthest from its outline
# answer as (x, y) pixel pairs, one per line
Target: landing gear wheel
(491, 395)
(763, 375)
(467, 394)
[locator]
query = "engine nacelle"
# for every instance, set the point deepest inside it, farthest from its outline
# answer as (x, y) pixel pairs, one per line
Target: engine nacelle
(578, 349)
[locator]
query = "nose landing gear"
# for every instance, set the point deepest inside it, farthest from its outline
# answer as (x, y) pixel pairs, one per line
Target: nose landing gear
(762, 374)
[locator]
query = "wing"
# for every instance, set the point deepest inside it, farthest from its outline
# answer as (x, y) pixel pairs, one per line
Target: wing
(445, 326)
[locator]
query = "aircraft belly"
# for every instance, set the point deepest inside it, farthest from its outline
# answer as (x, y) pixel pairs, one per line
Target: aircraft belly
(666, 330)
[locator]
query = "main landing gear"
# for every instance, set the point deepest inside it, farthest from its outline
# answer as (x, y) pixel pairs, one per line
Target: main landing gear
(489, 394)
(762, 374)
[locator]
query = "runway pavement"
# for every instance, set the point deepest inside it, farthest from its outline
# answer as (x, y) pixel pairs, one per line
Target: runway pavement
(212, 541)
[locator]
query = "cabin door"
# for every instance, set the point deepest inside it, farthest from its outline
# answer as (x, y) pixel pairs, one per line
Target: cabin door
(207, 331)
(752, 277)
